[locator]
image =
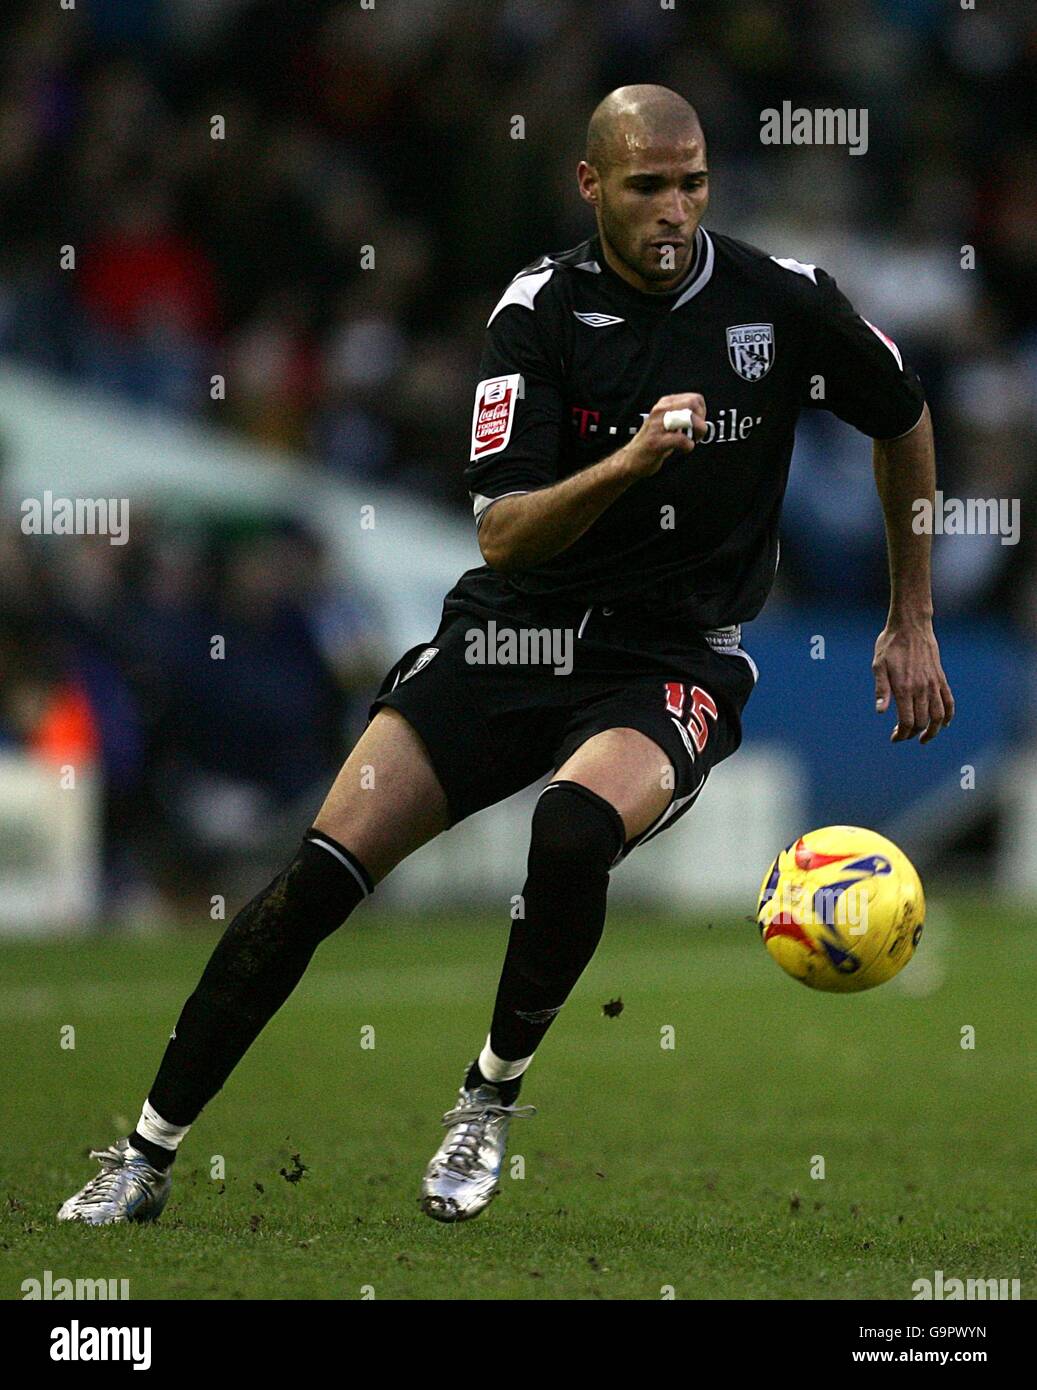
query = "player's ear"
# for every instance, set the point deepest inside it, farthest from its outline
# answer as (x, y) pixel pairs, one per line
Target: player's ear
(587, 179)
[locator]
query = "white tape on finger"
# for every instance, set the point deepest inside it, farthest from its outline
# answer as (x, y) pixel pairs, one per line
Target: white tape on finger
(677, 420)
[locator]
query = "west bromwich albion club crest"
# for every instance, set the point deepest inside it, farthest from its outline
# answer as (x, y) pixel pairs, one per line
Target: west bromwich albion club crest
(750, 347)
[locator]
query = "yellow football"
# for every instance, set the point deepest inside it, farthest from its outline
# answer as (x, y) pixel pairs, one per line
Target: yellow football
(841, 909)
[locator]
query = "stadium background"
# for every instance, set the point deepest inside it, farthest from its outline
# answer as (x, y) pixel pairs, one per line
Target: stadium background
(344, 386)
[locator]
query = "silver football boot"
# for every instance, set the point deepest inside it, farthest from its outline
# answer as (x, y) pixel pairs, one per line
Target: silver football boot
(126, 1189)
(463, 1175)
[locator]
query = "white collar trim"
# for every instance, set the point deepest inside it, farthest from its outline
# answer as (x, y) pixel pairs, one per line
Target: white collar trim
(702, 278)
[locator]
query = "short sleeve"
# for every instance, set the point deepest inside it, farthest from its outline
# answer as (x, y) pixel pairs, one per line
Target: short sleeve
(856, 371)
(518, 412)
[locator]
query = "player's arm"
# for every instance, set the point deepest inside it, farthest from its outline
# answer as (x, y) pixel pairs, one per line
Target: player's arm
(907, 659)
(527, 528)
(524, 513)
(867, 384)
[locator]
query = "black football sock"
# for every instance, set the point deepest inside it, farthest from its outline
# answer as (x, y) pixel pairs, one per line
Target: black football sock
(576, 836)
(156, 1155)
(259, 960)
(508, 1089)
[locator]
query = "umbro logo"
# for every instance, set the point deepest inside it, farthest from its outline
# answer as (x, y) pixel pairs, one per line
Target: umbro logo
(597, 320)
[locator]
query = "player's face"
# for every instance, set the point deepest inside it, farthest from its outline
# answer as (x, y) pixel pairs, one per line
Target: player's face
(649, 206)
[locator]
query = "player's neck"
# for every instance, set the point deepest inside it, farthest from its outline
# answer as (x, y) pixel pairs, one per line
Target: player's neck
(635, 281)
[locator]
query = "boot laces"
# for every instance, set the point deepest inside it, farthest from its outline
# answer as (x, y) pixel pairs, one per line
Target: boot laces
(472, 1120)
(105, 1185)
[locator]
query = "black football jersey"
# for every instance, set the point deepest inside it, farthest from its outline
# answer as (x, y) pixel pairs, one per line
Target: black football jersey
(574, 359)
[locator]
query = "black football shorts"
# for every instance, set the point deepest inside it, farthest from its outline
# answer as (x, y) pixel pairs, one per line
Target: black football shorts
(499, 707)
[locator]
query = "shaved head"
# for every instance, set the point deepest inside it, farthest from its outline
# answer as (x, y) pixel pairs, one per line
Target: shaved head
(645, 176)
(631, 120)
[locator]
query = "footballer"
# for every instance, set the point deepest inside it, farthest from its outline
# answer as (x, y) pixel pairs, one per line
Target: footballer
(631, 437)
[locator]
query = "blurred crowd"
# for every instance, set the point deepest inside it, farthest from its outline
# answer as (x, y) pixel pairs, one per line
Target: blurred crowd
(211, 669)
(320, 204)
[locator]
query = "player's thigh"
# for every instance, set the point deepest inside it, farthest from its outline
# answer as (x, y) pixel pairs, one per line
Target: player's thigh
(629, 770)
(387, 800)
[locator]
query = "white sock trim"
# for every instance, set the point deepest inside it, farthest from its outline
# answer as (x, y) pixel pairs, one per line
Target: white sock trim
(156, 1130)
(323, 844)
(496, 1068)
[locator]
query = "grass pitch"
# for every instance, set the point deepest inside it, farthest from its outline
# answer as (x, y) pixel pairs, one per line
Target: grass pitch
(649, 1169)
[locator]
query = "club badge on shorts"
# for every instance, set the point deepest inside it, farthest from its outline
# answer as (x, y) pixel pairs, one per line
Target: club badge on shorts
(750, 349)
